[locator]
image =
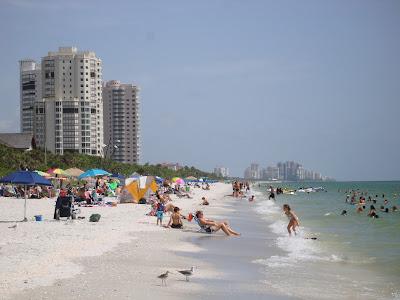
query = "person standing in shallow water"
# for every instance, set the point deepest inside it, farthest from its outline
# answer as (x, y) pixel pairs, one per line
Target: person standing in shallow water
(293, 219)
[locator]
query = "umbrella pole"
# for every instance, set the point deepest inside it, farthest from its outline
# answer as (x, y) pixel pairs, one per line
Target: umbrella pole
(26, 196)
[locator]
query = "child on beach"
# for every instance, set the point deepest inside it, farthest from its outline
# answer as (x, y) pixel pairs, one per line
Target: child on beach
(293, 219)
(175, 220)
(160, 212)
(205, 202)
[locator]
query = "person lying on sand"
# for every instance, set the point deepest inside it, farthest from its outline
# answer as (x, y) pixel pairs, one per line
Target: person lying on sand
(214, 226)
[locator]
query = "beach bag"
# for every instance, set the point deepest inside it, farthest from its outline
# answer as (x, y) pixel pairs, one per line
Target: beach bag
(94, 218)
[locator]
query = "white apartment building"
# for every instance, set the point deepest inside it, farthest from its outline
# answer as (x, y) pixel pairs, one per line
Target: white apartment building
(30, 91)
(69, 116)
(221, 171)
(121, 122)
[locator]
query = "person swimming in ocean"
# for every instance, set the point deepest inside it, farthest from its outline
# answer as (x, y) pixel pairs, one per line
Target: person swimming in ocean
(372, 212)
(293, 219)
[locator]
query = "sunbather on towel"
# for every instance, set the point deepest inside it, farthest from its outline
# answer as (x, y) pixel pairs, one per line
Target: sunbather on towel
(215, 226)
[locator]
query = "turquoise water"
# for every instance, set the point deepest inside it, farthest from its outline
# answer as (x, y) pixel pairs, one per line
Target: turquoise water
(354, 256)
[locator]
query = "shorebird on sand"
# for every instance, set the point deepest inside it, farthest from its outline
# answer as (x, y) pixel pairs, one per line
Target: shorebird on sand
(163, 278)
(187, 273)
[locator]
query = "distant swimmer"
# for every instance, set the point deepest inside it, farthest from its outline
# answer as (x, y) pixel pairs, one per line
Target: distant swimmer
(344, 213)
(251, 199)
(372, 212)
(293, 219)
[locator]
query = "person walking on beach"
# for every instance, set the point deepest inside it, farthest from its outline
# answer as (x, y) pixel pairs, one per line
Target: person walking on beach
(293, 219)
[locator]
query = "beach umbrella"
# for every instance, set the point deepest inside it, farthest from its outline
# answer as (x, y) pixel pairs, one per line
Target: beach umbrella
(159, 180)
(44, 174)
(56, 171)
(174, 179)
(73, 172)
(25, 178)
(178, 180)
(190, 178)
(94, 173)
(118, 176)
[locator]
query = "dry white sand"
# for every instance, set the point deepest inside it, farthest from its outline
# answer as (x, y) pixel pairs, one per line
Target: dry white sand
(59, 259)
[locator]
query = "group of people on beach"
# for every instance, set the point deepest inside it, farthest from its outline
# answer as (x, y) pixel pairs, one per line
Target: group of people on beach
(361, 198)
(240, 188)
(163, 205)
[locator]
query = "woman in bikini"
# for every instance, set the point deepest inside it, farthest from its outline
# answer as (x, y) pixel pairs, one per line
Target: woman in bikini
(212, 226)
(293, 219)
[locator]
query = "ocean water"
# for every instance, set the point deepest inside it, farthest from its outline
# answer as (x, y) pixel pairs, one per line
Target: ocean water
(354, 256)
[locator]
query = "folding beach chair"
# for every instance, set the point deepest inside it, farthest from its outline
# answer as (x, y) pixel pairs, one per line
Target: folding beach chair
(203, 228)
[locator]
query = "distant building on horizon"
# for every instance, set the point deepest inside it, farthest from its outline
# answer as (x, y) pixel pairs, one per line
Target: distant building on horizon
(171, 166)
(221, 172)
(67, 114)
(121, 121)
(271, 173)
(291, 171)
(253, 172)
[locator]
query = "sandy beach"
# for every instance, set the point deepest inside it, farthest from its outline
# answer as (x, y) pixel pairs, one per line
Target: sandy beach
(118, 257)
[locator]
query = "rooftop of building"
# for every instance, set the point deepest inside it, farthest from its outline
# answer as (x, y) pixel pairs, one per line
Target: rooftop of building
(71, 51)
(16, 140)
(117, 83)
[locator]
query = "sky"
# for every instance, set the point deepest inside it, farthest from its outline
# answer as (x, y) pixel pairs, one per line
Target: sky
(228, 83)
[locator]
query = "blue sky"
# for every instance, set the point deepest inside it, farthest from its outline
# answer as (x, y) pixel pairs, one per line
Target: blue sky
(232, 82)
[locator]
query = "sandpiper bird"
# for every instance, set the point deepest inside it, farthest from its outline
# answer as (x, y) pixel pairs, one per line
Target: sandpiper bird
(187, 273)
(163, 278)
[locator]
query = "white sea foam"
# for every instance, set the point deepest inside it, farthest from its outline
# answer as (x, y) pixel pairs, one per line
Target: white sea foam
(298, 248)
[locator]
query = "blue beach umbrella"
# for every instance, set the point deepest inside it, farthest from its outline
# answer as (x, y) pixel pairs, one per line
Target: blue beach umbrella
(25, 178)
(118, 176)
(94, 173)
(159, 180)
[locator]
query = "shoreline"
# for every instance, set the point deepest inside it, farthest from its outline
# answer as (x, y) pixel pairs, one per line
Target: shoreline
(129, 267)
